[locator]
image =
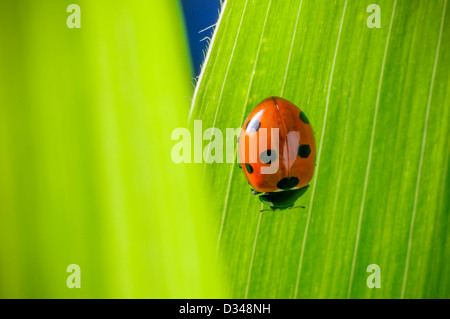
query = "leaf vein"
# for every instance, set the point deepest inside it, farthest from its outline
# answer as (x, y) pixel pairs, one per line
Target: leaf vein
(372, 137)
(319, 153)
(424, 140)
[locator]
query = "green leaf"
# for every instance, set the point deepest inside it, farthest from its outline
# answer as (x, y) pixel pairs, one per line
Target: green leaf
(86, 174)
(378, 100)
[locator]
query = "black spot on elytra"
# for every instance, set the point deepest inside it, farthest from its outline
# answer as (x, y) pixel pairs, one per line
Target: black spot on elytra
(304, 151)
(288, 182)
(252, 126)
(268, 156)
(304, 118)
(249, 168)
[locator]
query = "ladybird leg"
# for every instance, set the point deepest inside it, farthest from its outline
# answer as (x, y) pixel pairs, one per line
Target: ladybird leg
(255, 192)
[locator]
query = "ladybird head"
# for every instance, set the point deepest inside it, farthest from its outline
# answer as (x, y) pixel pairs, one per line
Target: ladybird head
(284, 199)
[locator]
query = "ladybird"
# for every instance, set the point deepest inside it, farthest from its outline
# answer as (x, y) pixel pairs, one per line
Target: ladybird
(291, 150)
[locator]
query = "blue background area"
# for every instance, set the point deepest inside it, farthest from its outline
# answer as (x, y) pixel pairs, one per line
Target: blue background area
(199, 14)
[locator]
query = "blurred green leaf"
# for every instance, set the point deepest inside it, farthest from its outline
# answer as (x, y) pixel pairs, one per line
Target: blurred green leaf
(86, 176)
(379, 102)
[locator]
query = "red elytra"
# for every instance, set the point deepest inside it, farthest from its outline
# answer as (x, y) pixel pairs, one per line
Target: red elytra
(294, 149)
